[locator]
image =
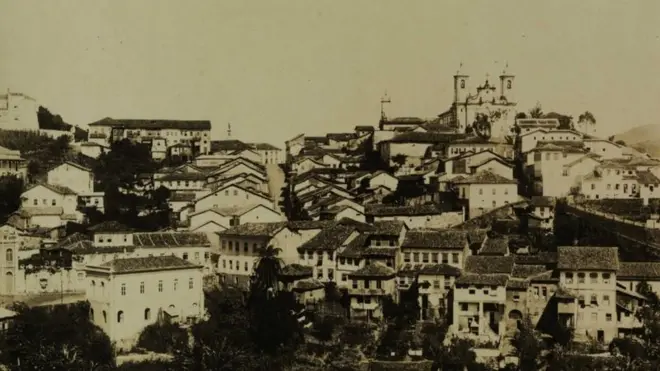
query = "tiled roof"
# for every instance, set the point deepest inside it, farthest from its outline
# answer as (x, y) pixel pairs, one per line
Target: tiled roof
(109, 227)
(152, 263)
(495, 246)
(364, 128)
(387, 227)
(263, 147)
(254, 229)
(542, 201)
(588, 258)
(355, 247)
(482, 279)
(341, 137)
(296, 270)
(71, 240)
(647, 177)
(295, 225)
(485, 177)
(415, 137)
(373, 270)
(438, 239)
(489, 264)
(380, 251)
(639, 270)
(40, 211)
(429, 269)
(170, 239)
(391, 210)
(182, 176)
(328, 239)
(541, 258)
(527, 271)
(308, 284)
(182, 197)
(154, 124)
(476, 235)
(55, 188)
(517, 284)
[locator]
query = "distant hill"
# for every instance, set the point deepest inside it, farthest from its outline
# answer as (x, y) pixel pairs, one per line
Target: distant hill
(644, 138)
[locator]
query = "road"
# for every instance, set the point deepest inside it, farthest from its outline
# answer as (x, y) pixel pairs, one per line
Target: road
(276, 180)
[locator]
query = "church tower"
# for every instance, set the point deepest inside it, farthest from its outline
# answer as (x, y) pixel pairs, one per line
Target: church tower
(507, 86)
(460, 86)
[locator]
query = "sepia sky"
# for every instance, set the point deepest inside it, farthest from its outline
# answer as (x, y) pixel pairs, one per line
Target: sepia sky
(275, 69)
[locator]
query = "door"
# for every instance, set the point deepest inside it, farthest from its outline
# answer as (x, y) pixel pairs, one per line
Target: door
(601, 336)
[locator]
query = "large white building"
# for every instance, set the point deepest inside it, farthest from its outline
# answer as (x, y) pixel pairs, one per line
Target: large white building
(126, 295)
(18, 112)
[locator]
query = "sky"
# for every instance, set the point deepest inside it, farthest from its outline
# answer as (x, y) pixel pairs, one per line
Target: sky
(275, 69)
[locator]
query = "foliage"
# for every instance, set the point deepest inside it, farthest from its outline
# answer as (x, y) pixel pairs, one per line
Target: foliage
(151, 365)
(162, 337)
(536, 112)
(356, 334)
(325, 327)
(55, 338)
(586, 120)
(399, 160)
(11, 188)
(528, 346)
(267, 270)
(122, 174)
(458, 355)
(293, 208)
(41, 151)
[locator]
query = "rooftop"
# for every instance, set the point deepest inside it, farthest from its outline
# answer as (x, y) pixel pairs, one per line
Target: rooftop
(328, 239)
(482, 279)
(639, 270)
(438, 239)
(109, 227)
(429, 269)
(392, 210)
(296, 271)
(495, 246)
(588, 258)
(485, 177)
(154, 124)
(170, 239)
(374, 270)
(254, 229)
(479, 264)
(144, 264)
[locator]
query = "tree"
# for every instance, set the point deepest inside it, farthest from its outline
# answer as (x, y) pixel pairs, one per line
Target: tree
(527, 343)
(267, 270)
(587, 121)
(162, 337)
(521, 115)
(536, 112)
(11, 188)
(58, 338)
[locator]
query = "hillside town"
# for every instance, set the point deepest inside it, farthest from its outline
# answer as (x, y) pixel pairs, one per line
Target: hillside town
(502, 231)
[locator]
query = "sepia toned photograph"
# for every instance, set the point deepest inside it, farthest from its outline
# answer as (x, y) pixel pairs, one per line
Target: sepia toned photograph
(374, 185)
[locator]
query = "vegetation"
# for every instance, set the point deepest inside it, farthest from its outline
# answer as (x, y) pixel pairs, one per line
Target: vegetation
(162, 337)
(57, 338)
(41, 151)
(11, 188)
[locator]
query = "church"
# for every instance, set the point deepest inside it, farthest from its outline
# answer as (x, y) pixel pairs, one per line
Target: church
(487, 101)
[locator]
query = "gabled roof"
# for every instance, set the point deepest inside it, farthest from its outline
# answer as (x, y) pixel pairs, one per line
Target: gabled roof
(496, 159)
(482, 279)
(329, 238)
(428, 137)
(232, 210)
(489, 264)
(154, 124)
(296, 225)
(485, 177)
(374, 269)
(647, 177)
(498, 246)
(171, 239)
(341, 137)
(144, 264)
(254, 229)
(638, 270)
(109, 227)
(436, 269)
(364, 128)
(588, 258)
(393, 210)
(246, 189)
(296, 271)
(55, 188)
(263, 147)
(435, 239)
(387, 228)
(355, 247)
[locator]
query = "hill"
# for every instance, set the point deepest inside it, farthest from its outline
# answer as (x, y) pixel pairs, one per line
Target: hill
(644, 138)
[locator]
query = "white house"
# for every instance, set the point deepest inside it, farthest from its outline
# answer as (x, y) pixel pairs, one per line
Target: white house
(231, 216)
(74, 176)
(126, 295)
(49, 205)
(233, 195)
(484, 191)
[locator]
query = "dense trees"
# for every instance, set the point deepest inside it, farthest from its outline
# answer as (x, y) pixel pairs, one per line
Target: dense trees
(11, 188)
(58, 338)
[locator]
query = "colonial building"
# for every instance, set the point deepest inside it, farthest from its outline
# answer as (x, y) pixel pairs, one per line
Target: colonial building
(126, 295)
(485, 190)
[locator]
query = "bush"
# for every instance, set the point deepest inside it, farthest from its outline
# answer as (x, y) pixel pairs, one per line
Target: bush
(163, 337)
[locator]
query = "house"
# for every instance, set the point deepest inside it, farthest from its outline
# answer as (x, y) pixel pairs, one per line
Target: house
(542, 212)
(306, 164)
(9, 255)
(194, 134)
(339, 140)
(567, 159)
(464, 163)
(11, 163)
(631, 274)
(181, 181)
(478, 144)
(269, 153)
(294, 145)
(179, 201)
(529, 140)
(435, 280)
(361, 130)
(604, 148)
(92, 149)
(235, 167)
(233, 195)
(382, 179)
(589, 273)
(230, 216)
(126, 295)
(369, 287)
(240, 247)
(408, 150)
(527, 125)
(6, 318)
(338, 212)
(494, 165)
(484, 191)
(307, 199)
(248, 154)
(76, 177)
(190, 246)
(111, 233)
(49, 205)
(415, 216)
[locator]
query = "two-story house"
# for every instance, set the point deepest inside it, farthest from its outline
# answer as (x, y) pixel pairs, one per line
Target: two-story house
(126, 295)
(49, 205)
(484, 191)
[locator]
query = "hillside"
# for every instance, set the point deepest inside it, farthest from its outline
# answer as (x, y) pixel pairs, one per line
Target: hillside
(645, 138)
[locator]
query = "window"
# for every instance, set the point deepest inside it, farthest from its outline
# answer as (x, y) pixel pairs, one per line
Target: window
(197, 256)
(53, 202)
(464, 307)
(472, 291)
(355, 285)
(191, 283)
(160, 286)
(142, 287)
(224, 245)
(245, 266)
(454, 258)
(481, 191)
(606, 299)
(445, 258)
(36, 202)
(120, 316)
(9, 255)
(434, 258)
(569, 278)
(255, 247)
(593, 186)
(593, 277)
(594, 316)
(506, 191)
(544, 292)
(379, 285)
(245, 247)
(606, 278)
(147, 314)
(580, 277)
(123, 289)
(185, 256)
(436, 284)
(406, 257)
(425, 257)
(344, 277)
(594, 299)
(224, 264)
(447, 282)
(516, 298)
(608, 317)
(366, 284)
(415, 257)
(494, 203)
(176, 283)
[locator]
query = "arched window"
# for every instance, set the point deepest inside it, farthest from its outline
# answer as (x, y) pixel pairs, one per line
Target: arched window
(147, 314)
(462, 84)
(9, 255)
(120, 316)
(508, 84)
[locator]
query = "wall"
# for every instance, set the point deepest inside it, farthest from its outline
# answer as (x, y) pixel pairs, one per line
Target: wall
(483, 197)
(231, 196)
(70, 176)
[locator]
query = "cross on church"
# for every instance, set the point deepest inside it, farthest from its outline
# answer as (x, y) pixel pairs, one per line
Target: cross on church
(384, 100)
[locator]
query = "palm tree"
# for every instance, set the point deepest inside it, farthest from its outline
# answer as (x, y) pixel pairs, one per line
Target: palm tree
(536, 112)
(267, 270)
(587, 121)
